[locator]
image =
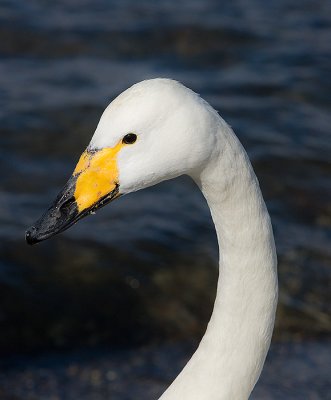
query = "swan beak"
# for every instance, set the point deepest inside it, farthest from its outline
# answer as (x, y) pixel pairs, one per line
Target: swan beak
(93, 184)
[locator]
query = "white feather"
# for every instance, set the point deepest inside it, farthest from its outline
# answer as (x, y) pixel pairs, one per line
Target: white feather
(179, 133)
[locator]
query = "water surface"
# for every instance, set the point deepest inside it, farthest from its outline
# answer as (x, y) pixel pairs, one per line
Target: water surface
(144, 269)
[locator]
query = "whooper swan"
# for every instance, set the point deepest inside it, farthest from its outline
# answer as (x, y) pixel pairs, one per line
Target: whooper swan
(157, 130)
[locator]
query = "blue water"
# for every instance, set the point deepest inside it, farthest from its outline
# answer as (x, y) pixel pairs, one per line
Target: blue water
(265, 66)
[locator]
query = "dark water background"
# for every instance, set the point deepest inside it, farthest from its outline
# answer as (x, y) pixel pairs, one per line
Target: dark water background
(112, 308)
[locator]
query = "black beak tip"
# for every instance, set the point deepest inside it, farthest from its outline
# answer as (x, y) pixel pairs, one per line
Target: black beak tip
(30, 236)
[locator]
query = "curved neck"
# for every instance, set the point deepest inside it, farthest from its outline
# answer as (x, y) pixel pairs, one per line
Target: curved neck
(231, 355)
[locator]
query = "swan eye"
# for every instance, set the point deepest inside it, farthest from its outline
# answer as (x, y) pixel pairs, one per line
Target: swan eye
(129, 138)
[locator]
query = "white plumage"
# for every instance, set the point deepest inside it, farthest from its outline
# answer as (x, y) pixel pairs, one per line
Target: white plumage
(179, 133)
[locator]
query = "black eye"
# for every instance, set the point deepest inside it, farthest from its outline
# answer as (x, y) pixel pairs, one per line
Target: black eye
(129, 138)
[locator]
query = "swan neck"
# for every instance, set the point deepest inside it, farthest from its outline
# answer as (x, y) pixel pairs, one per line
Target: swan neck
(230, 357)
(242, 321)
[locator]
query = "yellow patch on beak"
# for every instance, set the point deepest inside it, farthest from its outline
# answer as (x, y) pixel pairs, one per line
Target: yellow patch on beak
(97, 176)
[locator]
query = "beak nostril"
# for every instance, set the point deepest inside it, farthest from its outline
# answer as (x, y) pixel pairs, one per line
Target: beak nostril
(67, 203)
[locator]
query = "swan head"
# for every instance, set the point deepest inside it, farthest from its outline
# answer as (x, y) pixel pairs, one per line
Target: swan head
(156, 130)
